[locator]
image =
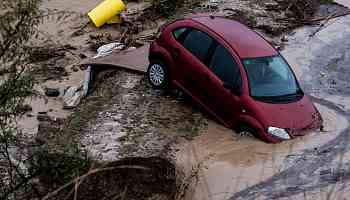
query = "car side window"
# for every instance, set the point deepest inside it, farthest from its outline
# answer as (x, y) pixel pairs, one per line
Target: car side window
(198, 43)
(224, 66)
(177, 33)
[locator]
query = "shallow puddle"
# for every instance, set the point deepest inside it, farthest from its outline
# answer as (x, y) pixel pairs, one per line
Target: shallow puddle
(53, 107)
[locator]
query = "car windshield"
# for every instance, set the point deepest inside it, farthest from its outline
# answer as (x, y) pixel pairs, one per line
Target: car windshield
(270, 77)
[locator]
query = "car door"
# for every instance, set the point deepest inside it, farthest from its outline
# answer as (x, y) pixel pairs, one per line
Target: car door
(224, 70)
(190, 54)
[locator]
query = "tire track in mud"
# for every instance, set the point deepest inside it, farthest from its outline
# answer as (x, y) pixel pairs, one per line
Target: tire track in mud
(299, 178)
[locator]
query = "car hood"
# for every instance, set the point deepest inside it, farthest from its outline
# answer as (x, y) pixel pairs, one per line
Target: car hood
(295, 117)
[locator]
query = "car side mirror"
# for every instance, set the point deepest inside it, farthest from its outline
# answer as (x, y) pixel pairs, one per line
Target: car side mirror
(232, 88)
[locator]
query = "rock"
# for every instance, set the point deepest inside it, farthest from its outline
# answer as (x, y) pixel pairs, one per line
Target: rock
(214, 4)
(25, 108)
(271, 6)
(83, 67)
(82, 56)
(74, 68)
(284, 39)
(52, 92)
(43, 117)
(326, 172)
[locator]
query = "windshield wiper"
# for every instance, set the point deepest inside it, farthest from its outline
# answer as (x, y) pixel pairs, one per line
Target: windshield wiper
(282, 98)
(290, 97)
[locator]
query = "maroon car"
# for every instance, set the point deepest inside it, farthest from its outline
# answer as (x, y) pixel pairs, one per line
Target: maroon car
(233, 73)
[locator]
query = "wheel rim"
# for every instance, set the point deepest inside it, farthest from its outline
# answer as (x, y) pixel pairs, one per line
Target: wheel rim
(156, 74)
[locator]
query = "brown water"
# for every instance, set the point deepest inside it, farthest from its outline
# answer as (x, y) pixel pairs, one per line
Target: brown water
(230, 163)
(53, 106)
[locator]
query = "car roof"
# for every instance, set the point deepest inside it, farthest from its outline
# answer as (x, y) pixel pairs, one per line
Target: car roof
(246, 43)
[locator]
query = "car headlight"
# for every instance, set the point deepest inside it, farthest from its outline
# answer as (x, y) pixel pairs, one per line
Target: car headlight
(279, 132)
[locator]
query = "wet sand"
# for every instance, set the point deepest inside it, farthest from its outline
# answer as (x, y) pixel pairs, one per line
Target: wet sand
(81, 6)
(343, 2)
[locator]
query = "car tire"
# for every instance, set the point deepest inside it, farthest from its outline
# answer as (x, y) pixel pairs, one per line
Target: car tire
(157, 74)
(247, 130)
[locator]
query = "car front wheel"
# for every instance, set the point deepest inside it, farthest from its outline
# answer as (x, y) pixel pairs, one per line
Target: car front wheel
(157, 74)
(245, 130)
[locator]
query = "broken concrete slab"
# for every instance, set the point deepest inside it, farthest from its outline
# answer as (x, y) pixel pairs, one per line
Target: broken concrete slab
(133, 59)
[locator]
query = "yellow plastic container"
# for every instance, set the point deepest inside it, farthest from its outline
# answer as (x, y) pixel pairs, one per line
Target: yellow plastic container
(115, 20)
(106, 11)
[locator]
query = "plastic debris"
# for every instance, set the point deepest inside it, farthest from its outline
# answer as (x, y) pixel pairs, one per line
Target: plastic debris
(106, 11)
(108, 48)
(72, 97)
(87, 81)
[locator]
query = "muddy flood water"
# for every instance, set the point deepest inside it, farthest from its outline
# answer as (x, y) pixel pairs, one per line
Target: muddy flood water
(315, 166)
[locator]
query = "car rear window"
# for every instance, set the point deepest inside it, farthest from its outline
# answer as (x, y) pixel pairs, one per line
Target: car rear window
(224, 66)
(178, 32)
(198, 43)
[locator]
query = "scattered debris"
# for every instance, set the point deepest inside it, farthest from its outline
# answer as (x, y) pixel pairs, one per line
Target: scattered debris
(72, 97)
(75, 68)
(43, 117)
(108, 49)
(105, 11)
(97, 40)
(165, 7)
(87, 81)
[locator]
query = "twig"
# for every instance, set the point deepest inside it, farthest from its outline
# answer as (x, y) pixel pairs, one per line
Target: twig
(332, 17)
(91, 172)
(77, 183)
(322, 24)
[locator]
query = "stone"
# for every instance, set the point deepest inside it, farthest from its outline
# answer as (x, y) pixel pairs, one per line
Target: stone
(52, 92)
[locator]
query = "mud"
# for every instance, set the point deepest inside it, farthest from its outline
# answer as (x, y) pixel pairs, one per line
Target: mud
(323, 59)
(29, 122)
(138, 121)
(131, 178)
